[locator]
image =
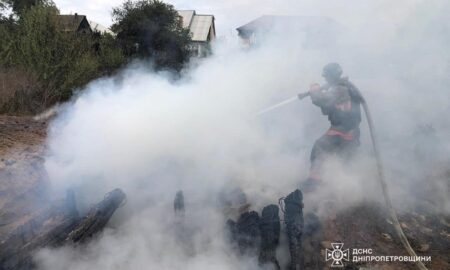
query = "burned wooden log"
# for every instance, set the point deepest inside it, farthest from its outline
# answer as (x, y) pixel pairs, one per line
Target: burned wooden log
(269, 227)
(248, 232)
(293, 218)
(49, 227)
(97, 217)
(245, 232)
(55, 226)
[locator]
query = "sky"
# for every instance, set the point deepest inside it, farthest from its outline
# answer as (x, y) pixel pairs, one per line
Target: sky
(231, 14)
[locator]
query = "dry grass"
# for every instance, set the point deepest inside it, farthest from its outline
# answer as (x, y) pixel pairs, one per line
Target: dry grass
(17, 91)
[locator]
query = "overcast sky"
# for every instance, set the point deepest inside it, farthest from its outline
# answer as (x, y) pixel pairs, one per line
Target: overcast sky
(230, 14)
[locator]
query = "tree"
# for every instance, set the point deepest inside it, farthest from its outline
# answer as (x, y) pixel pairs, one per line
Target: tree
(20, 6)
(152, 29)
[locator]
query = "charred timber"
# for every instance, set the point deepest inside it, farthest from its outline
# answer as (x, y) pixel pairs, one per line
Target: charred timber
(269, 227)
(98, 217)
(56, 226)
(293, 218)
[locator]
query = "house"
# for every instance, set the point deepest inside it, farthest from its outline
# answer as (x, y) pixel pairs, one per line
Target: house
(202, 29)
(316, 32)
(74, 24)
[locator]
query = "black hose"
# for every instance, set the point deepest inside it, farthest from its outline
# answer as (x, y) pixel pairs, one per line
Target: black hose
(384, 187)
(382, 179)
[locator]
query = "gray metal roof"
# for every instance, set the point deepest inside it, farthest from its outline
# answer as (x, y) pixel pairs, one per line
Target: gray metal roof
(186, 15)
(271, 22)
(199, 25)
(96, 27)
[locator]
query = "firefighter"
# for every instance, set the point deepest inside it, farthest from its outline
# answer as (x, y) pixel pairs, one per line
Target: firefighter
(340, 100)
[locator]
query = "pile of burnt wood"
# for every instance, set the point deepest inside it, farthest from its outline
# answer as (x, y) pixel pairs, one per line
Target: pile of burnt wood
(256, 235)
(253, 234)
(55, 226)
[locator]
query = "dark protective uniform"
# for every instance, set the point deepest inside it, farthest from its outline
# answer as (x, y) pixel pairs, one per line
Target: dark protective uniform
(341, 103)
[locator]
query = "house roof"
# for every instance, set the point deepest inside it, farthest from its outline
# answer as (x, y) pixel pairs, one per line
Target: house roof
(70, 23)
(186, 16)
(199, 25)
(268, 22)
(96, 27)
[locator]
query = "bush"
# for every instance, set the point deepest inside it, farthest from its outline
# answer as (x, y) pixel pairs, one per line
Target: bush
(16, 91)
(110, 55)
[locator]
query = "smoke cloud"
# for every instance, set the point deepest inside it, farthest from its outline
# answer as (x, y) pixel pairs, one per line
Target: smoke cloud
(151, 136)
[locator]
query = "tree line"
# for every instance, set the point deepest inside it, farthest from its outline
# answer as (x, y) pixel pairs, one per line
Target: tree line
(41, 65)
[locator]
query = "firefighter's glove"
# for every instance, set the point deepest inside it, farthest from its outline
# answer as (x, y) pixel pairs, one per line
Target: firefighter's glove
(314, 87)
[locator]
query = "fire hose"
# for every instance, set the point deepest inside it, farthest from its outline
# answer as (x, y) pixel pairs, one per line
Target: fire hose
(384, 187)
(380, 168)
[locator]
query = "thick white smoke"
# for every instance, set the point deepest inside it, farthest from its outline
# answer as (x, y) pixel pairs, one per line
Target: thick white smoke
(151, 136)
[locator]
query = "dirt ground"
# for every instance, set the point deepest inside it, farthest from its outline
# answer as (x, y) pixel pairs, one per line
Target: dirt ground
(21, 135)
(369, 226)
(22, 175)
(23, 181)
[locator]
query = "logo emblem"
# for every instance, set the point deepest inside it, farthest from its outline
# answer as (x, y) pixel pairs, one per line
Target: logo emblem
(337, 255)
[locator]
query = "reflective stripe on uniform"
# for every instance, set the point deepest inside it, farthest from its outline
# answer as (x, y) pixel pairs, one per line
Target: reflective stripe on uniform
(348, 136)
